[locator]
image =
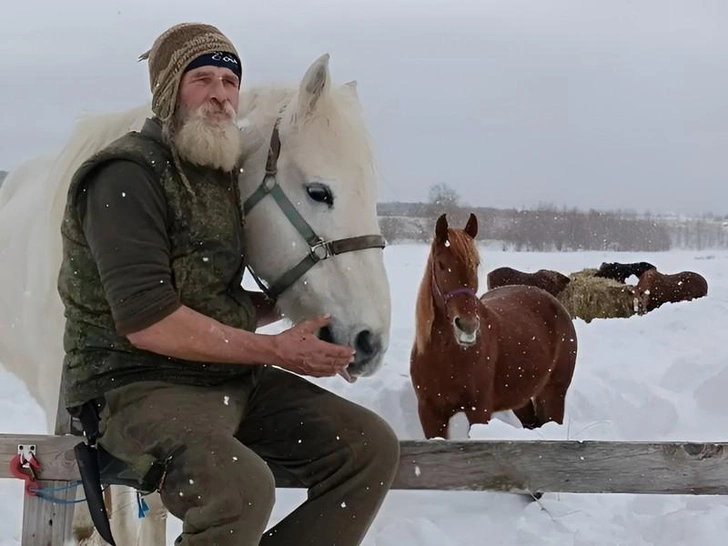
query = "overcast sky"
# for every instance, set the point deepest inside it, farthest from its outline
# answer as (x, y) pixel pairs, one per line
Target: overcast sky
(604, 104)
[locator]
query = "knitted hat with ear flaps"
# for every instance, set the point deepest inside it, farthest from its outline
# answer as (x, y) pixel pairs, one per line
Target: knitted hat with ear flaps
(170, 54)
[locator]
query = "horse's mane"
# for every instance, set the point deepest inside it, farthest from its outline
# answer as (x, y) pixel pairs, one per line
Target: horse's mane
(91, 133)
(466, 250)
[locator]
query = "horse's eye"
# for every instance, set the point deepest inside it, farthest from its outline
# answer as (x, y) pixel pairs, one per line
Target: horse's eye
(320, 193)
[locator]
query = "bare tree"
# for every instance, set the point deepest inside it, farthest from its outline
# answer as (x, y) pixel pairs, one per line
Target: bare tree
(444, 196)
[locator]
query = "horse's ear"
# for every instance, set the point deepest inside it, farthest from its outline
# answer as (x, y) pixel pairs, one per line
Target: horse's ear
(471, 228)
(441, 228)
(351, 87)
(315, 84)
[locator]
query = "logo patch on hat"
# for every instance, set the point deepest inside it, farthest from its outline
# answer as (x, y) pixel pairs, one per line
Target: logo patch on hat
(224, 59)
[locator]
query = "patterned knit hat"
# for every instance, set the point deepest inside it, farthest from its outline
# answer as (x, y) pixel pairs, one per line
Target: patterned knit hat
(170, 55)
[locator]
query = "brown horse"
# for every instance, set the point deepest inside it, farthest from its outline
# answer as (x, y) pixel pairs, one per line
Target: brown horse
(655, 288)
(514, 348)
(551, 281)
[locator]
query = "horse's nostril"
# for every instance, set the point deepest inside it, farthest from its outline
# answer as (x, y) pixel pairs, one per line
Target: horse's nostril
(367, 343)
(326, 335)
(466, 326)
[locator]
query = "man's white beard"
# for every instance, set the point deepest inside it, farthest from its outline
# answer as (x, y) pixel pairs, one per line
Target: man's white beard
(203, 140)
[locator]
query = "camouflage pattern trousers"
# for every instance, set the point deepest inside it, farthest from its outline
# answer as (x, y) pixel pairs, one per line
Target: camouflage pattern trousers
(233, 442)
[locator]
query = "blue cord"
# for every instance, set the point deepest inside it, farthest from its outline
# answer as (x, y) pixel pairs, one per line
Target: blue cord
(41, 493)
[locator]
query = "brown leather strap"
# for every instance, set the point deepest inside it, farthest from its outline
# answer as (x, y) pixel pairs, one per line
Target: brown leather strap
(350, 244)
(271, 164)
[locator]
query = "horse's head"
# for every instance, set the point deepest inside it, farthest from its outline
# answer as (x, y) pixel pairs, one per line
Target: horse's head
(454, 262)
(308, 187)
(642, 267)
(643, 290)
(555, 282)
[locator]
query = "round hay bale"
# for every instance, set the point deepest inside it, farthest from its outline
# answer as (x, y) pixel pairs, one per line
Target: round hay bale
(589, 297)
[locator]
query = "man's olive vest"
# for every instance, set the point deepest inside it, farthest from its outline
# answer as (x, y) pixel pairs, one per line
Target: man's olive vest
(207, 259)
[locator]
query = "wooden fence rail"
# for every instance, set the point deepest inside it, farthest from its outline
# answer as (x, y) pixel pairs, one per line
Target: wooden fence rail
(523, 466)
(680, 468)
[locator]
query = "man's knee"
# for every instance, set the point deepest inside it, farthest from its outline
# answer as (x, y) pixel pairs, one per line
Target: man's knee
(222, 486)
(378, 447)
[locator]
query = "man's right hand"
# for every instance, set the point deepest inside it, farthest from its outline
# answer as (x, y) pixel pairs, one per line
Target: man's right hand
(189, 335)
(299, 350)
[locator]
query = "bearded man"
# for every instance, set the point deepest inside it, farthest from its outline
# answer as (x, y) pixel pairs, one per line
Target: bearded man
(160, 336)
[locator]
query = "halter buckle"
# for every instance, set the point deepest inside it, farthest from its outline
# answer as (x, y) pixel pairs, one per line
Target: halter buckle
(321, 250)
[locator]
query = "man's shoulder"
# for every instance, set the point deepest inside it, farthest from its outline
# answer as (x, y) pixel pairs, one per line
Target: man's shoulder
(119, 169)
(133, 153)
(115, 179)
(146, 144)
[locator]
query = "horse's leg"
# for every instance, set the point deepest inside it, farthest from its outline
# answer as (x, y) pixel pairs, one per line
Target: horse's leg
(153, 531)
(435, 420)
(127, 528)
(551, 401)
(122, 511)
(527, 415)
(550, 404)
(123, 516)
(478, 416)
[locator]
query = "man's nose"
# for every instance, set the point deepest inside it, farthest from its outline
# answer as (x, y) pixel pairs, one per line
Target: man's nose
(218, 89)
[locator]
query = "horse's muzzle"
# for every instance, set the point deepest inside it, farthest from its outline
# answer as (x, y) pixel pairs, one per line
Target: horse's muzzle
(466, 330)
(369, 347)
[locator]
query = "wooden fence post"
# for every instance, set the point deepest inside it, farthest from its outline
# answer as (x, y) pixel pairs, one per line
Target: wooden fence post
(46, 523)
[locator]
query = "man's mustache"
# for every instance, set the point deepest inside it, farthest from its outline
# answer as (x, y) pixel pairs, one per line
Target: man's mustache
(218, 108)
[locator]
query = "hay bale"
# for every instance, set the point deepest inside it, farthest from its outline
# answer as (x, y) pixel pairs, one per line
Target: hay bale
(589, 297)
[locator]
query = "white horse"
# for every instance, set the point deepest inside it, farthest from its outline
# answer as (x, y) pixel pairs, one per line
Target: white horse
(325, 168)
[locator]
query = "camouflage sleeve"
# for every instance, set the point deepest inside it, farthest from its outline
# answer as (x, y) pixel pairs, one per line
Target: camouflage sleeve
(124, 217)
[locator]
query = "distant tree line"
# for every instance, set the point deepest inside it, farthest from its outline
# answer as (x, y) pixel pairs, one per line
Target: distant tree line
(549, 228)
(542, 229)
(699, 233)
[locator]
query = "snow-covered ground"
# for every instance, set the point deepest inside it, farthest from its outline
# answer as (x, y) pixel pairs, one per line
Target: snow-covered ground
(662, 376)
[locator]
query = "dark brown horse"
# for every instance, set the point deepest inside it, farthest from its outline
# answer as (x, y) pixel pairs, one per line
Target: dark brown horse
(514, 348)
(621, 272)
(655, 288)
(551, 281)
